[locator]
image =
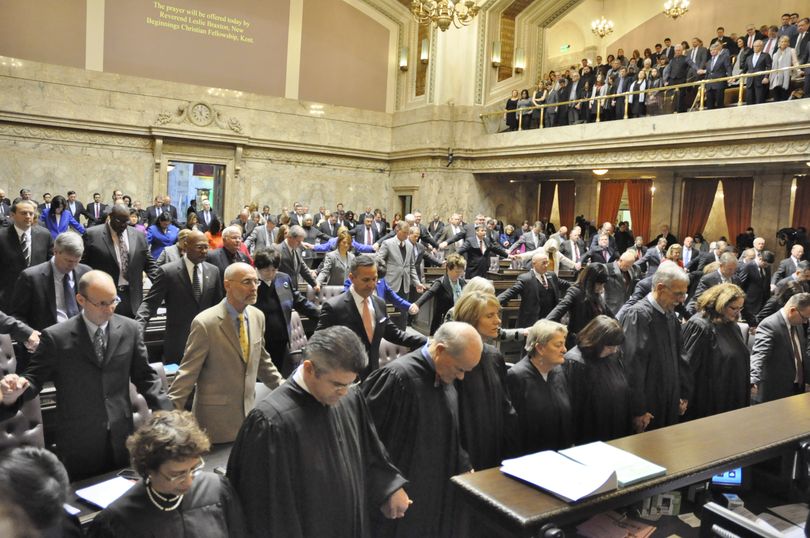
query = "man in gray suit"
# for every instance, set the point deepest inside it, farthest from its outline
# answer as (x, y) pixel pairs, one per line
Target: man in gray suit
(400, 259)
(533, 239)
(291, 261)
(779, 360)
(262, 236)
(716, 66)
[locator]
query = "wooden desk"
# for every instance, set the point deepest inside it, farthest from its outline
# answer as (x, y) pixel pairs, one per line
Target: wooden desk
(691, 452)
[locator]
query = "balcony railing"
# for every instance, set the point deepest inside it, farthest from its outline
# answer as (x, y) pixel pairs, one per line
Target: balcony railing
(667, 90)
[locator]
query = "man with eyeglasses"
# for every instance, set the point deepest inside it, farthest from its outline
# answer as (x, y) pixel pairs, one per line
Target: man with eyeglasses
(308, 460)
(90, 358)
(659, 378)
(779, 361)
(224, 355)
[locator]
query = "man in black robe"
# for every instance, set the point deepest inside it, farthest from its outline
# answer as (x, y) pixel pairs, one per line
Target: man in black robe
(415, 408)
(659, 378)
(307, 461)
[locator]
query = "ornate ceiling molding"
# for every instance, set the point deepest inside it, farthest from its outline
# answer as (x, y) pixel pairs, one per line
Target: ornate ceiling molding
(75, 136)
(314, 159)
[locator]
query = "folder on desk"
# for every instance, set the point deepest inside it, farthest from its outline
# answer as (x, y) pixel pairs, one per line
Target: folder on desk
(561, 476)
(629, 467)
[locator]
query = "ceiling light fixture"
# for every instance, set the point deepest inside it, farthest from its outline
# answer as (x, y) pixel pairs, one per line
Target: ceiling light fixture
(676, 8)
(600, 171)
(443, 12)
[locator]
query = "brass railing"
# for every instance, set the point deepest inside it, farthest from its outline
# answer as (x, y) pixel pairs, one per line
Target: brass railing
(701, 84)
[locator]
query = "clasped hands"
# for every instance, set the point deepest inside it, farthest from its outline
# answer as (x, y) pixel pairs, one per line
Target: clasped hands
(11, 387)
(396, 505)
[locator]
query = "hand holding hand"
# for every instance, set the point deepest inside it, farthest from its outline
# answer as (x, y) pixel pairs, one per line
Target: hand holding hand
(33, 341)
(414, 309)
(12, 386)
(682, 405)
(640, 423)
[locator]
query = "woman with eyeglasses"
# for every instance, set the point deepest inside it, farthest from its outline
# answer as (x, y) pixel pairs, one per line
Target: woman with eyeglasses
(599, 386)
(174, 498)
(718, 356)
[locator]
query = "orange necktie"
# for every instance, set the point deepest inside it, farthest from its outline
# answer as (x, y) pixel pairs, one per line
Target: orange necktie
(367, 321)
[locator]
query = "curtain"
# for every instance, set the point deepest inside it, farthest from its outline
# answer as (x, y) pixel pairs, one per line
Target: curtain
(610, 198)
(546, 200)
(738, 196)
(696, 204)
(566, 198)
(640, 198)
(801, 203)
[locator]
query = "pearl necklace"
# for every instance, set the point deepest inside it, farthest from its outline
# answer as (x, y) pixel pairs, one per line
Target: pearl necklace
(151, 493)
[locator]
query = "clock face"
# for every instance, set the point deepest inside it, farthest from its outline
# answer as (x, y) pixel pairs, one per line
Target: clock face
(200, 114)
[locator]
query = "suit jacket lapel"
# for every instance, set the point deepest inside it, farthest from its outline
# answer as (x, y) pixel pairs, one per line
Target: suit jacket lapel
(82, 337)
(356, 318)
(113, 339)
(182, 272)
(228, 328)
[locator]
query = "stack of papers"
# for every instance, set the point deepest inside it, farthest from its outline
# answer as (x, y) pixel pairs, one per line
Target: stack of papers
(583, 471)
(561, 476)
(629, 467)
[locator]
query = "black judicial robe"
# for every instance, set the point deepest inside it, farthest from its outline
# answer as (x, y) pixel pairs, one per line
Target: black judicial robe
(304, 469)
(720, 364)
(543, 406)
(658, 376)
(209, 510)
(600, 396)
(416, 417)
(487, 420)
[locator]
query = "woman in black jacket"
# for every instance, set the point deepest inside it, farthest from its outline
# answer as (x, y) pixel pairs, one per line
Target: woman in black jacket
(583, 301)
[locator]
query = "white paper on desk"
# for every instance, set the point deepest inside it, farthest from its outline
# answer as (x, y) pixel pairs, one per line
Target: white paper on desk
(795, 513)
(629, 467)
(561, 476)
(105, 493)
(750, 516)
(789, 530)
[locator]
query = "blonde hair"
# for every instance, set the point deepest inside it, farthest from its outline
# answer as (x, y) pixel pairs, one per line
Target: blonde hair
(541, 332)
(470, 306)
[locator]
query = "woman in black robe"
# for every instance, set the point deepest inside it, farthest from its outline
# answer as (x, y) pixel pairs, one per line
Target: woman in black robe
(511, 117)
(539, 391)
(583, 301)
(718, 356)
(174, 499)
(600, 391)
(487, 420)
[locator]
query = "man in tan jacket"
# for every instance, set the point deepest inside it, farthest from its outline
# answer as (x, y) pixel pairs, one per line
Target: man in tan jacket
(224, 355)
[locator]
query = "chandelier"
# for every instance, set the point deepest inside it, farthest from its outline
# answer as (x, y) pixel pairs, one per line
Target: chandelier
(675, 8)
(602, 27)
(443, 12)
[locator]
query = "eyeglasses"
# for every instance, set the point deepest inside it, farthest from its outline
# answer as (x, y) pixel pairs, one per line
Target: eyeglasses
(339, 386)
(805, 319)
(194, 471)
(103, 304)
(677, 293)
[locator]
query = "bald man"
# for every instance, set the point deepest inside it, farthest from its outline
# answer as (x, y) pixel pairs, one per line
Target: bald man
(90, 358)
(224, 355)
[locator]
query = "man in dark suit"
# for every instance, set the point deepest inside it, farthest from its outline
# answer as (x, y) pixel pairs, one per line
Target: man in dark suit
(602, 253)
(788, 266)
(74, 206)
(653, 257)
(573, 248)
(801, 274)
(329, 225)
(366, 233)
(19, 331)
(622, 280)
(205, 215)
(754, 280)
(716, 66)
(91, 359)
(698, 54)
(45, 294)
(679, 72)
(95, 212)
(690, 255)
(574, 91)
(121, 251)
(380, 223)
(669, 50)
(779, 365)
(277, 297)
(170, 209)
(154, 210)
(478, 252)
(187, 286)
(436, 227)
(803, 51)
(539, 291)
(291, 261)
(727, 272)
(756, 88)
(713, 255)
(365, 314)
(230, 251)
(22, 245)
(724, 41)
(5, 208)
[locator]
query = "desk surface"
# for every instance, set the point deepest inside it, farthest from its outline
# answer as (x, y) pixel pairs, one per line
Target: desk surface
(691, 452)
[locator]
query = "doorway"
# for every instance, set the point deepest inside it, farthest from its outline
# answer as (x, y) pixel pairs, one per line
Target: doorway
(195, 182)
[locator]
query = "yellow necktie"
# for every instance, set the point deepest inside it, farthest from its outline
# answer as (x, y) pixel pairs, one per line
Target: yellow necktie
(243, 338)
